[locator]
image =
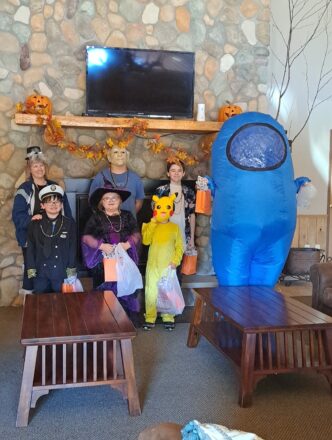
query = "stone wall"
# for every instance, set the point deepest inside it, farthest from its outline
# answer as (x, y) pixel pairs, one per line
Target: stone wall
(42, 48)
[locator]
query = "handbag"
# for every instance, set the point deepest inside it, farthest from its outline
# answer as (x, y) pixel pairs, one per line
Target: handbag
(203, 202)
(170, 299)
(129, 278)
(189, 262)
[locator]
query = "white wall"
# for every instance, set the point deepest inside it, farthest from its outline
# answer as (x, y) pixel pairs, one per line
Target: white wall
(311, 148)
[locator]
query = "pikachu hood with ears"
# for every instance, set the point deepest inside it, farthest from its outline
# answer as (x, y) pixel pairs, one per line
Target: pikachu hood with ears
(163, 208)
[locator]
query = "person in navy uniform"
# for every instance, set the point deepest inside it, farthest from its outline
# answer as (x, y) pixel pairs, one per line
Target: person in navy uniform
(51, 244)
(26, 207)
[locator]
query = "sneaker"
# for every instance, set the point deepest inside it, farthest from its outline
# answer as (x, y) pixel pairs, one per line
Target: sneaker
(147, 326)
(169, 326)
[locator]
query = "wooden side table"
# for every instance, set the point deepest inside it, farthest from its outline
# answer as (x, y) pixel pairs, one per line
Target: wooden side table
(76, 340)
(262, 332)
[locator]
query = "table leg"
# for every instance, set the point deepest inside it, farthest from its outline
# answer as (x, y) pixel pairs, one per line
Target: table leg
(327, 342)
(247, 369)
(128, 365)
(36, 394)
(26, 387)
(193, 335)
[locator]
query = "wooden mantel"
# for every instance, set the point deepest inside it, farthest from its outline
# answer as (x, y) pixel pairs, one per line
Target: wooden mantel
(165, 125)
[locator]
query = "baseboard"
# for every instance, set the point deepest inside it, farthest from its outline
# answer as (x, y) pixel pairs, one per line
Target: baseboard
(197, 281)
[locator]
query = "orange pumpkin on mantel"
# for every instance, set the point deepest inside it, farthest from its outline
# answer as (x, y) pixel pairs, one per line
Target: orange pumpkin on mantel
(227, 111)
(38, 104)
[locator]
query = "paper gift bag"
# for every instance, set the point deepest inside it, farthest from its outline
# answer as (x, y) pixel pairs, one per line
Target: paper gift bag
(189, 264)
(110, 269)
(203, 202)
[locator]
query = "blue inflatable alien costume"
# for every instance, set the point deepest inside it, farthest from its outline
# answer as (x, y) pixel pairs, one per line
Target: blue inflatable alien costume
(254, 209)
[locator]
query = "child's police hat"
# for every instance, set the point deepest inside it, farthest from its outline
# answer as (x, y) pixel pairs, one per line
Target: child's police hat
(51, 190)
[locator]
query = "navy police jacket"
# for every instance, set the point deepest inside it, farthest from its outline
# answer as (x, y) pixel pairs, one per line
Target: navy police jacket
(51, 247)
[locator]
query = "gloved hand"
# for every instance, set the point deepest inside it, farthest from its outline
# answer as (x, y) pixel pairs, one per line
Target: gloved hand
(300, 181)
(32, 273)
(71, 271)
(211, 184)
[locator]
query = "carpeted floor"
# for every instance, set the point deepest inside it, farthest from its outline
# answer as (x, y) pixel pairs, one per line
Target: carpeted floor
(175, 384)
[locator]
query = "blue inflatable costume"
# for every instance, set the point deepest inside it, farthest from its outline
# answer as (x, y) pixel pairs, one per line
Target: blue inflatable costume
(254, 209)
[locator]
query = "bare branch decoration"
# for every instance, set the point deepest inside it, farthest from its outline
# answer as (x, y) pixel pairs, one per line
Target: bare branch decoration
(308, 20)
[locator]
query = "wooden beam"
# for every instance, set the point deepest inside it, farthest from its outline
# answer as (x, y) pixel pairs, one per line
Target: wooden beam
(165, 125)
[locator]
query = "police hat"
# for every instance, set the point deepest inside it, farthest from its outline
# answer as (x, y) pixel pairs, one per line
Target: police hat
(51, 190)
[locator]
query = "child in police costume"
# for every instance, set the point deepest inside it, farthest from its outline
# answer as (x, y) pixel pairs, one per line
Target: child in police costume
(51, 244)
(166, 249)
(26, 206)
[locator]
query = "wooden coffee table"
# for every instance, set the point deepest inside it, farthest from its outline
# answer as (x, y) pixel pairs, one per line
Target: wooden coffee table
(263, 332)
(75, 340)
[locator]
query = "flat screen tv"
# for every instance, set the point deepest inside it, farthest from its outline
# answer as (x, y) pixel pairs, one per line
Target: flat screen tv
(139, 82)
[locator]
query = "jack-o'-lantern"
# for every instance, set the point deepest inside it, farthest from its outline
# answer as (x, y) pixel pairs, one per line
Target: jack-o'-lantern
(227, 111)
(38, 104)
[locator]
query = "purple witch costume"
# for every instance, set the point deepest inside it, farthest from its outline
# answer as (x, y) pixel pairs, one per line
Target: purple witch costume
(102, 228)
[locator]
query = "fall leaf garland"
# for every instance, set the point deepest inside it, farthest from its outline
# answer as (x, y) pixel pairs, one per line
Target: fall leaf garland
(54, 135)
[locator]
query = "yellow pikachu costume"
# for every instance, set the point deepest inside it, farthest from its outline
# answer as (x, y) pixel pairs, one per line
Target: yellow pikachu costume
(166, 248)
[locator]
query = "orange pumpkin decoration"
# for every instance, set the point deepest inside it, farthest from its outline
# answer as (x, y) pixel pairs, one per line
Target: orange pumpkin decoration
(227, 111)
(38, 104)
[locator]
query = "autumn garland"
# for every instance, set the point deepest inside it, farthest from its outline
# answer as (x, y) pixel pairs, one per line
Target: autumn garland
(55, 135)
